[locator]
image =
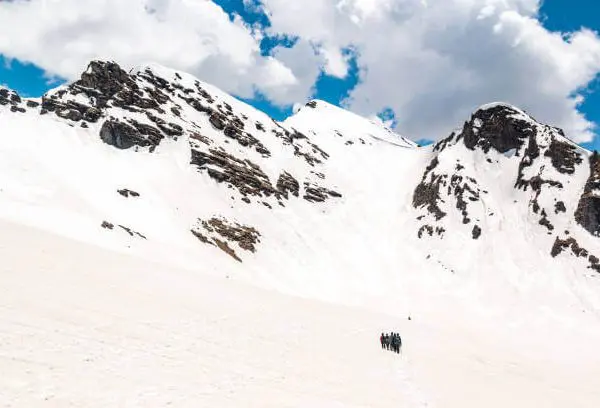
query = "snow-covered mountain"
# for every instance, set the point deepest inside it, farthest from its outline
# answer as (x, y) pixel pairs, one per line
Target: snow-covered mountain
(156, 155)
(500, 220)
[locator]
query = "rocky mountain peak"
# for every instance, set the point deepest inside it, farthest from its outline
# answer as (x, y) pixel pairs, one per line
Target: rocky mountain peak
(500, 139)
(107, 77)
(501, 127)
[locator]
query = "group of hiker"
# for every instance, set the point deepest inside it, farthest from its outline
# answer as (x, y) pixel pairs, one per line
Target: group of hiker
(391, 341)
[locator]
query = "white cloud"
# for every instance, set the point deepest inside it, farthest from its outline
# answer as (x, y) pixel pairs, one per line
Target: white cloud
(434, 62)
(336, 63)
(431, 61)
(61, 36)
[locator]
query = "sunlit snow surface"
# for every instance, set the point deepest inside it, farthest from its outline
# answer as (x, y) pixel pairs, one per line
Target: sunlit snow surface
(97, 318)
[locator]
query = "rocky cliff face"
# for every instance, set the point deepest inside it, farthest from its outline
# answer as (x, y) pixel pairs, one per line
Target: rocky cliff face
(588, 210)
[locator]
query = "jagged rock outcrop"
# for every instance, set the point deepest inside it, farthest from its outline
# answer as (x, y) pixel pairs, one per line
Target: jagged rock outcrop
(287, 184)
(142, 108)
(222, 233)
(12, 99)
(588, 210)
(318, 194)
(497, 127)
(244, 175)
(124, 136)
(125, 192)
(561, 245)
(427, 192)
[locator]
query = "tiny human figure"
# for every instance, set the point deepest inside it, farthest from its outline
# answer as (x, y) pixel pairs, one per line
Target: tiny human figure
(382, 340)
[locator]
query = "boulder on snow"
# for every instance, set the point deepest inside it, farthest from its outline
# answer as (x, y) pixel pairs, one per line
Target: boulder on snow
(122, 135)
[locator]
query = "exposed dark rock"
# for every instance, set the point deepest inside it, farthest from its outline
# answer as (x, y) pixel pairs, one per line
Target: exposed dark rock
(545, 222)
(564, 156)
(166, 128)
(245, 236)
(32, 104)
(8, 97)
(460, 187)
(104, 84)
(425, 229)
(15, 108)
(286, 183)
(314, 193)
(107, 225)
(303, 147)
(427, 192)
(124, 136)
(132, 232)
(536, 182)
(562, 244)
(559, 207)
(198, 105)
(128, 193)
(201, 138)
(496, 128)
(231, 125)
(221, 232)
(442, 144)
(244, 175)
(312, 104)
(476, 232)
(588, 210)
(217, 120)
(107, 78)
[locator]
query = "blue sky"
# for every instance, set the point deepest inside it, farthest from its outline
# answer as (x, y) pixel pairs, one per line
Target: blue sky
(327, 88)
(557, 15)
(571, 15)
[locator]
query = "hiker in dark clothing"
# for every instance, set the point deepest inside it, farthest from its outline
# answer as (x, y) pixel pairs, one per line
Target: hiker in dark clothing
(391, 341)
(395, 342)
(398, 342)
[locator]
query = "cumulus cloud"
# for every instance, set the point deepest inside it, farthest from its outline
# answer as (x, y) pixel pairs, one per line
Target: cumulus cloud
(61, 36)
(432, 62)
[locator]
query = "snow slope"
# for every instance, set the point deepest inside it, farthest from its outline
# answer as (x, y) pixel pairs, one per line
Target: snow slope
(165, 242)
(83, 326)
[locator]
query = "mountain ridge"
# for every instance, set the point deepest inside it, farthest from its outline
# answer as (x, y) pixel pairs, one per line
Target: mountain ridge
(322, 164)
